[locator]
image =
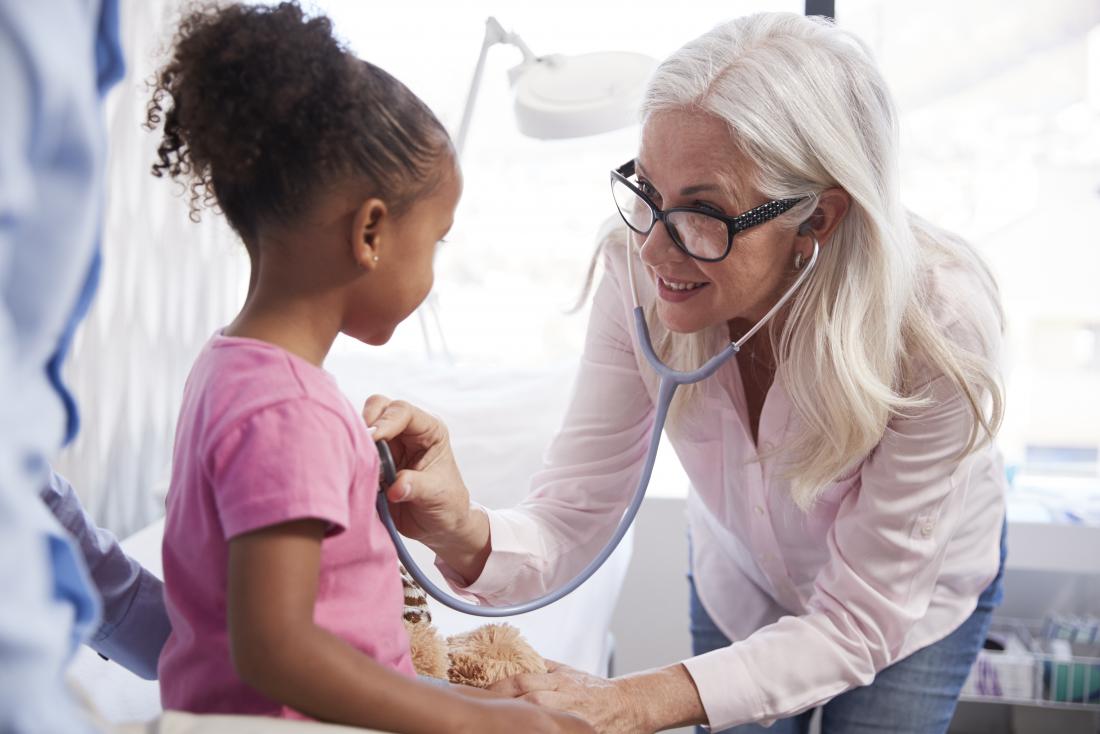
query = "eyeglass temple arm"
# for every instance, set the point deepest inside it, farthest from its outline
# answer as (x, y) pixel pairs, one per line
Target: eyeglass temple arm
(626, 170)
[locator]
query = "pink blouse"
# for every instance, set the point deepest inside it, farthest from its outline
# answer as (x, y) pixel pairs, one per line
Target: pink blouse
(890, 559)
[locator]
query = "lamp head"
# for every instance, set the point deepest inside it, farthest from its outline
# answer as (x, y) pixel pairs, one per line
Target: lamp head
(573, 96)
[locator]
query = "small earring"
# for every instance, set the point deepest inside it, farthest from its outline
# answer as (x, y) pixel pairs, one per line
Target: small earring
(376, 258)
(798, 261)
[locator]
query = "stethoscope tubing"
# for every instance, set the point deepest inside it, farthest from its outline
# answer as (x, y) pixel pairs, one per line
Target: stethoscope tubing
(670, 380)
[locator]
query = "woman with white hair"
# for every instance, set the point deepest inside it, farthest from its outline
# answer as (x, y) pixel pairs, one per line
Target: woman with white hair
(847, 508)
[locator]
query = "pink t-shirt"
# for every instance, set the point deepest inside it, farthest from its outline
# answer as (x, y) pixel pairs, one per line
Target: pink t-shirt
(265, 437)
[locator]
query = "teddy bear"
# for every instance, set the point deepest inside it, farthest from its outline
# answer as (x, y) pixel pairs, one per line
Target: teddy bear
(476, 658)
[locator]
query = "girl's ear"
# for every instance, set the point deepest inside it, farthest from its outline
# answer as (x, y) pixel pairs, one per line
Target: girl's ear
(366, 236)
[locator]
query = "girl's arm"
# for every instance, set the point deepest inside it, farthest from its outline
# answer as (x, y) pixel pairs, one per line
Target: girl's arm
(278, 650)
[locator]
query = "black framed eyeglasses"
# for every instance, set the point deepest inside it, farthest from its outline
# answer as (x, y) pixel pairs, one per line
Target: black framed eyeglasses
(703, 235)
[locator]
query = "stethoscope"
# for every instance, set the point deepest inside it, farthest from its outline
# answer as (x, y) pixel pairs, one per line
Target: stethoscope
(670, 380)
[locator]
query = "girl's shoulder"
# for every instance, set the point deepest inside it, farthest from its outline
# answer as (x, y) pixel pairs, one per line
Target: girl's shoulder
(237, 379)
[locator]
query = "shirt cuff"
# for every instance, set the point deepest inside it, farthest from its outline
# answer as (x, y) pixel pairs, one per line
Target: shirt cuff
(729, 694)
(135, 640)
(507, 553)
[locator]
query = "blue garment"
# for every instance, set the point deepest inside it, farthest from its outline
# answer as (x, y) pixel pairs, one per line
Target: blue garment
(56, 59)
(45, 611)
(135, 623)
(916, 695)
(109, 70)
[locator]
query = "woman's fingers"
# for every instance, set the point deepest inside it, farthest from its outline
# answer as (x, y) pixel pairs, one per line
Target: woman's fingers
(507, 687)
(392, 418)
(396, 419)
(373, 408)
(421, 488)
(400, 491)
(547, 699)
(525, 683)
(407, 487)
(428, 498)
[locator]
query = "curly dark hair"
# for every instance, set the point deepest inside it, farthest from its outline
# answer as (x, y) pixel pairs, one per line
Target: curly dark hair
(261, 106)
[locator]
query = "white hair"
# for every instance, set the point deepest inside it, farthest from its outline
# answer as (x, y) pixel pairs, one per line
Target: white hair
(807, 105)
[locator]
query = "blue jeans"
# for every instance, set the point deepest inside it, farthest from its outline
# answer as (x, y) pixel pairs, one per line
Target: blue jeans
(916, 695)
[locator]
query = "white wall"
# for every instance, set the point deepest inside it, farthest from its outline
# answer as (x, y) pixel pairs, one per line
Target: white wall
(650, 624)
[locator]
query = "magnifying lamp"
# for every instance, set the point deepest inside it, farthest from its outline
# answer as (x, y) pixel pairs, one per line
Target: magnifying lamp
(564, 96)
(557, 96)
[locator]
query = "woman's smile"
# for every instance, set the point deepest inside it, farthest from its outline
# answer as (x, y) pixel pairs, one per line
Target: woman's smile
(677, 290)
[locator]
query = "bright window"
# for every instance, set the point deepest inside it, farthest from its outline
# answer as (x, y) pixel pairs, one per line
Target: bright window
(1001, 142)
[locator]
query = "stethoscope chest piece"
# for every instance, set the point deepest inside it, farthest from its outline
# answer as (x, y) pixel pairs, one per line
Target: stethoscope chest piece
(388, 474)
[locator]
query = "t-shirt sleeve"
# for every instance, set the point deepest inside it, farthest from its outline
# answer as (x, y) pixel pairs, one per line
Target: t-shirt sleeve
(291, 461)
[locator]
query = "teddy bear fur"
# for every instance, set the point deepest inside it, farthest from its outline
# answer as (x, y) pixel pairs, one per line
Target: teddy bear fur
(490, 653)
(476, 658)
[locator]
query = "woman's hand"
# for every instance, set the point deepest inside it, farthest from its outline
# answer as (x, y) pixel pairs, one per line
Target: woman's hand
(603, 703)
(429, 501)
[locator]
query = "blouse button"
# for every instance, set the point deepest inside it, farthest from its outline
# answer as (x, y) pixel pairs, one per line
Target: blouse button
(926, 531)
(759, 510)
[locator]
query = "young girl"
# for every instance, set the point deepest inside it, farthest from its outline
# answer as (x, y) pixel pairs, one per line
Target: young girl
(282, 585)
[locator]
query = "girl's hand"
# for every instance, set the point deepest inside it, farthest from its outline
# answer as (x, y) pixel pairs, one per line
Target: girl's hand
(508, 717)
(601, 702)
(429, 501)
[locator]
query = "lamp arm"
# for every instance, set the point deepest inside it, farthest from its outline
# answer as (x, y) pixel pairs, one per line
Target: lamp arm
(512, 39)
(494, 34)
